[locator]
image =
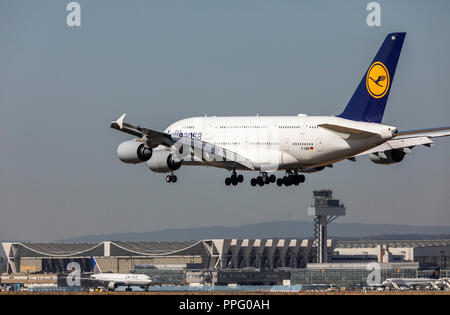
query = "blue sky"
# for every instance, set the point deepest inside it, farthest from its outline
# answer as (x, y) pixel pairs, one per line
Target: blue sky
(161, 61)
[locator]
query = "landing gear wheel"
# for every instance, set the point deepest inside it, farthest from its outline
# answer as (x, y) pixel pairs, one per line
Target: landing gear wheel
(234, 179)
(301, 178)
(287, 181)
(253, 182)
(279, 182)
(267, 181)
(260, 181)
(174, 178)
(168, 178)
(272, 178)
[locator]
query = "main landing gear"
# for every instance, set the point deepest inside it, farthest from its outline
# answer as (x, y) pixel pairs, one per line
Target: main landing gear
(171, 178)
(263, 179)
(291, 178)
(234, 179)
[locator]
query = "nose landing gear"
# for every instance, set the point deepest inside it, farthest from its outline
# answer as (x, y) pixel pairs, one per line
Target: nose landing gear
(171, 178)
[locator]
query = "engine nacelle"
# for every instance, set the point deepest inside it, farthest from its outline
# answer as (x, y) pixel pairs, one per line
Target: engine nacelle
(112, 285)
(133, 152)
(163, 162)
(392, 156)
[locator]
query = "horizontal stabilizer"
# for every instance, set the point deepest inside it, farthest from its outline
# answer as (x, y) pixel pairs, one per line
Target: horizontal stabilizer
(346, 130)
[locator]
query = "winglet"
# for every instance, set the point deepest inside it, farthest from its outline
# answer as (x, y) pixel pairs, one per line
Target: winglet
(119, 122)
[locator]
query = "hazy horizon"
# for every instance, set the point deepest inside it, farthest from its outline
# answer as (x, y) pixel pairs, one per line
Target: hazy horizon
(305, 229)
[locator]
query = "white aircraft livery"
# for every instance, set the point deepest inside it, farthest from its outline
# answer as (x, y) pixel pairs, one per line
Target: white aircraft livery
(291, 144)
(115, 280)
(433, 281)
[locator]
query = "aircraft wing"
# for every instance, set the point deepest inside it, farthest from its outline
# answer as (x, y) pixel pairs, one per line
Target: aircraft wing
(201, 149)
(405, 144)
(430, 131)
(154, 138)
(406, 140)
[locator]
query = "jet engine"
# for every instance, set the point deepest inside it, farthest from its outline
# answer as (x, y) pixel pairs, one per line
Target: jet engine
(388, 157)
(133, 152)
(164, 162)
(112, 286)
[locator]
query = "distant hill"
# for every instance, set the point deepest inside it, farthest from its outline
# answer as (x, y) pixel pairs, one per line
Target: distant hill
(279, 229)
(396, 237)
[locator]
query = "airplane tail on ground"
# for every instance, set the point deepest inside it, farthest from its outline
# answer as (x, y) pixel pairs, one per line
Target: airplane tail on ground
(436, 273)
(369, 100)
(95, 266)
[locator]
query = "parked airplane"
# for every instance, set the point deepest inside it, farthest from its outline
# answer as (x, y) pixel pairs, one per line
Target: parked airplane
(115, 280)
(293, 144)
(399, 283)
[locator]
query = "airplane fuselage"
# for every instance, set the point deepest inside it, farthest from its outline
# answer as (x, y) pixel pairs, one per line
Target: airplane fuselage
(410, 282)
(283, 142)
(124, 279)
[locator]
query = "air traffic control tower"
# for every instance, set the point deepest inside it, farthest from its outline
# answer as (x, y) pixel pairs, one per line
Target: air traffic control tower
(325, 210)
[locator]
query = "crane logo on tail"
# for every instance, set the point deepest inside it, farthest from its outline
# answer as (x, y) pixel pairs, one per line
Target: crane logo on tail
(377, 80)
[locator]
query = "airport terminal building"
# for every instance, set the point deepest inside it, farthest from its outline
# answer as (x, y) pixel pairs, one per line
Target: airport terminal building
(231, 261)
(264, 261)
(113, 256)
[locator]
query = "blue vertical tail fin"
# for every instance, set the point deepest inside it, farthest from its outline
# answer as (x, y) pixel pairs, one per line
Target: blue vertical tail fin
(95, 266)
(436, 273)
(369, 100)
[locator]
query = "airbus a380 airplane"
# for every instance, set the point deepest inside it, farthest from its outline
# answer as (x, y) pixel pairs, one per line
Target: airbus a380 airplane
(293, 144)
